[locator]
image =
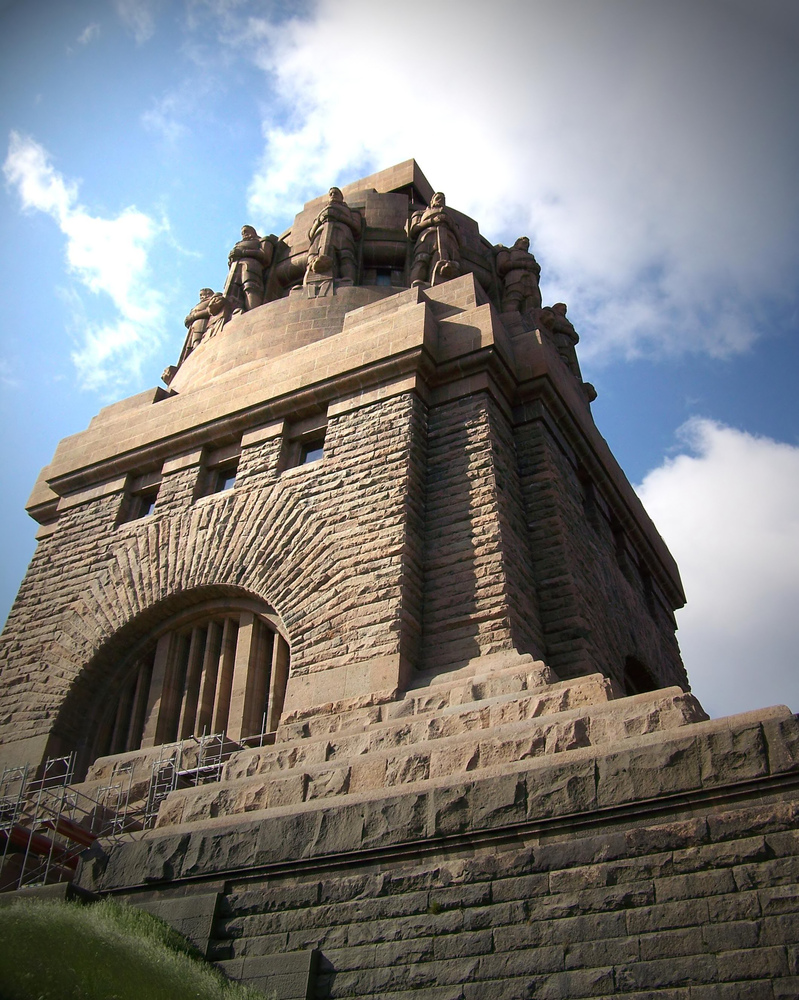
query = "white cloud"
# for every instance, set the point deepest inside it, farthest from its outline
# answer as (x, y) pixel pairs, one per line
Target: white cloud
(108, 256)
(89, 33)
(726, 508)
(649, 150)
(138, 18)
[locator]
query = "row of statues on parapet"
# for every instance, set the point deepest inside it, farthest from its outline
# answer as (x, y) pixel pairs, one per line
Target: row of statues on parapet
(332, 256)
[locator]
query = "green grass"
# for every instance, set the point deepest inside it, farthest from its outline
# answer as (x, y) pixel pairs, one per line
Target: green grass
(105, 951)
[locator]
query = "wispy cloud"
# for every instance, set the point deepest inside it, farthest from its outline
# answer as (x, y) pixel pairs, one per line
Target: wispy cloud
(138, 17)
(650, 151)
(189, 105)
(89, 33)
(165, 118)
(726, 506)
(8, 378)
(109, 257)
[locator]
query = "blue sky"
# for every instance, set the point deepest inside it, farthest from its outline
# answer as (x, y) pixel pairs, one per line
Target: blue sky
(649, 150)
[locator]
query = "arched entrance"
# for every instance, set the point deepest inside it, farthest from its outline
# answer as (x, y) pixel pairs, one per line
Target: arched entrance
(217, 666)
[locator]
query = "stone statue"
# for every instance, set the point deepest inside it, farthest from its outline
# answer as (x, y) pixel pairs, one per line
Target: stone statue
(318, 278)
(220, 309)
(205, 320)
(436, 253)
(197, 320)
(248, 262)
(563, 335)
(519, 272)
(333, 234)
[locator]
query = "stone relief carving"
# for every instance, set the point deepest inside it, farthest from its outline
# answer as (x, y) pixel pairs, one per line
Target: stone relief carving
(248, 262)
(333, 236)
(436, 252)
(519, 271)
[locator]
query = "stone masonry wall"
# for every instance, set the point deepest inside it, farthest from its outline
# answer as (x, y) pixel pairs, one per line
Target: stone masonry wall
(587, 602)
(479, 597)
(332, 546)
(520, 582)
(688, 908)
(378, 514)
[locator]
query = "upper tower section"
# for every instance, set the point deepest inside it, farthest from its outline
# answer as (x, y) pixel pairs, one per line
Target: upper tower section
(375, 463)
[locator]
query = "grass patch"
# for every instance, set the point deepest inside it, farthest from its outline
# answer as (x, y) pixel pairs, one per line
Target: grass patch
(105, 951)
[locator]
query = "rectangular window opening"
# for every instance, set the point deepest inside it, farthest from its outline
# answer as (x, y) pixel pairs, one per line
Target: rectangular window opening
(312, 451)
(303, 442)
(225, 478)
(220, 470)
(140, 497)
(146, 502)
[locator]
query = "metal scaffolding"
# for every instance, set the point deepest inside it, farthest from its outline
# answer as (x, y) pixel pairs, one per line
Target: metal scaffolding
(48, 822)
(184, 764)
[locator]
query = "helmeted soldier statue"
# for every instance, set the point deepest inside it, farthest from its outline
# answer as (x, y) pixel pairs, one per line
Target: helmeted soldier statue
(436, 253)
(248, 261)
(333, 236)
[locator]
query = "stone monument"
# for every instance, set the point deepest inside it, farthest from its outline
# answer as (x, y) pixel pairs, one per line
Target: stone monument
(368, 625)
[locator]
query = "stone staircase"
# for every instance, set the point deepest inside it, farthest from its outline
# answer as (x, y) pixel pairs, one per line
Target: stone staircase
(447, 724)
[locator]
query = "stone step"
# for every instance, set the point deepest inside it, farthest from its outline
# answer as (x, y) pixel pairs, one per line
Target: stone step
(374, 770)
(719, 757)
(132, 772)
(431, 722)
(432, 691)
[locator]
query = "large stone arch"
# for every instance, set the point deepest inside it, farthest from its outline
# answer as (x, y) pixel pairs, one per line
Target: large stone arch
(98, 692)
(167, 566)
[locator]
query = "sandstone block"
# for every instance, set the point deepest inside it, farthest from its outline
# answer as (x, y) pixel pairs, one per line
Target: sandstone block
(684, 913)
(497, 915)
(757, 963)
(667, 972)
(650, 769)
(499, 801)
(777, 929)
(396, 819)
(780, 899)
(592, 954)
(522, 962)
(732, 936)
(465, 945)
(562, 788)
(674, 943)
(779, 871)
(785, 988)
(781, 733)
(712, 883)
(521, 887)
(738, 906)
(327, 782)
(502, 989)
(580, 983)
